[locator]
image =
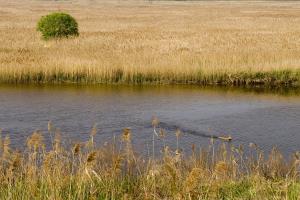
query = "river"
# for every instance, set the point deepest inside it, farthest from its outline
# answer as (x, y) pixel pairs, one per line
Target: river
(267, 118)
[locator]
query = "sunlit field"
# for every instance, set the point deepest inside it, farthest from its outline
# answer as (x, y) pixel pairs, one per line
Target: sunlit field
(141, 42)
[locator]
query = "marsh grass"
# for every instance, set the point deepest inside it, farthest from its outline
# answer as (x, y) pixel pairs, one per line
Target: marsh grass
(134, 42)
(115, 171)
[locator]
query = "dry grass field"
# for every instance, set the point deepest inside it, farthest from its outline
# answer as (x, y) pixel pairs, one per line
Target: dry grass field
(160, 42)
(114, 170)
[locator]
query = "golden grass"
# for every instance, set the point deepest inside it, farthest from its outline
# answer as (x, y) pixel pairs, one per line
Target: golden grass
(159, 42)
(114, 171)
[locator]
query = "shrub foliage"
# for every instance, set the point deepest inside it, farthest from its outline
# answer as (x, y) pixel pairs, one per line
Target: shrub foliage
(57, 25)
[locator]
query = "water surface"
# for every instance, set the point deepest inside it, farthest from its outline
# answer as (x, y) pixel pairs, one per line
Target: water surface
(262, 117)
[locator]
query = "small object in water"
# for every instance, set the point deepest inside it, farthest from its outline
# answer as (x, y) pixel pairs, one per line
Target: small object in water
(226, 138)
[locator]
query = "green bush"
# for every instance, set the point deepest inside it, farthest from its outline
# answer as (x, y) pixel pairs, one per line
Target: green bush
(57, 25)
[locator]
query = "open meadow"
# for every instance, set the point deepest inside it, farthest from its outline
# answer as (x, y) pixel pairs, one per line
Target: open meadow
(232, 43)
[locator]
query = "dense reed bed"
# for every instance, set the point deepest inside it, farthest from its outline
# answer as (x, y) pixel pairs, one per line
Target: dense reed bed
(115, 171)
(142, 42)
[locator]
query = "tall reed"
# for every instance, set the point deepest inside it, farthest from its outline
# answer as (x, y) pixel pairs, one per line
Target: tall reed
(134, 42)
(115, 170)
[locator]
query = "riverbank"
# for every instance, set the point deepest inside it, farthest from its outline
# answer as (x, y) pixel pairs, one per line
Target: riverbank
(201, 43)
(113, 170)
(279, 78)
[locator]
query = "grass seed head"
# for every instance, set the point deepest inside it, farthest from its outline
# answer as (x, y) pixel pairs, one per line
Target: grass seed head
(162, 133)
(50, 127)
(212, 140)
(16, 160)
(193, 148)
(6, 144)
(91, 157)
(35, 141)
(155, 122)
(94, 130)
(76, 149)
(126, 136)
(178, 133)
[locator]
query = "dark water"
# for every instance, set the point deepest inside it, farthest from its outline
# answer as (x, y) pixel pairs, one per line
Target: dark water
(263, 117)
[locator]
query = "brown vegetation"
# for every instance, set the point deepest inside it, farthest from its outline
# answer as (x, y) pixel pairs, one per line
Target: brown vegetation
(158, 42)
(115, 171)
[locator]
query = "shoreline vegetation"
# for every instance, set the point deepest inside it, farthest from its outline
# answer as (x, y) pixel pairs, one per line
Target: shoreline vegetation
(137, 42)
(114, 170)
(279, 78)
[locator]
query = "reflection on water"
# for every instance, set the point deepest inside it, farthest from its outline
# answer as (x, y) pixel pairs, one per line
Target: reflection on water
(267, 117)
